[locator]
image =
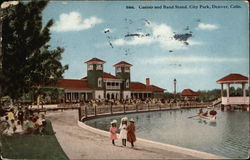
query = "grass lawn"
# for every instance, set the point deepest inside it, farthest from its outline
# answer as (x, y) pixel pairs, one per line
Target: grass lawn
(33, 146)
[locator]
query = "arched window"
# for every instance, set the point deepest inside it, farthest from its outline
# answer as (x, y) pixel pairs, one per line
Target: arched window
(100, 82)
(112, 96)
(127, 83)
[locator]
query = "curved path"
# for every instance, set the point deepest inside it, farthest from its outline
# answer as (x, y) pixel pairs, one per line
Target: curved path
(86, 143)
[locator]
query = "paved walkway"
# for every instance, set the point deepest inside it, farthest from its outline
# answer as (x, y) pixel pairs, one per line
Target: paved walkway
(79, 143)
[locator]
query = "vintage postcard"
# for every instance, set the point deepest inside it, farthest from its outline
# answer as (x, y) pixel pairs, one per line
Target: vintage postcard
(124, 79)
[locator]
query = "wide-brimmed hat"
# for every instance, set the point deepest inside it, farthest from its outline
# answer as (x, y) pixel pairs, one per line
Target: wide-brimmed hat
(131, 120)
(114, 121)
(124, 119)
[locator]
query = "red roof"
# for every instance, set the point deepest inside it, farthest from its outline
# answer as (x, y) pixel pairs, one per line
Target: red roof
(109, 76)
(95, 60)
(189, 92)
(73, 84)
(137, 86)
(84, 78)
(233, 78)
(105, 75)
(122, 63)
(154, 88)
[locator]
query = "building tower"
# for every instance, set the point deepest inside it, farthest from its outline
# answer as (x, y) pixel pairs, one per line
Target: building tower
(174, 87)
(122, 70)
(95, 73)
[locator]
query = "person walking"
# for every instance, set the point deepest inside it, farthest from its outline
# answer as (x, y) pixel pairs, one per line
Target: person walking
(123, 130)
(131, 133)
(113, 131)
(20, 116)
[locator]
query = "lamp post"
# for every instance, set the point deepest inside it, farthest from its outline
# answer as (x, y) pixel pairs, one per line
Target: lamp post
(4, 5)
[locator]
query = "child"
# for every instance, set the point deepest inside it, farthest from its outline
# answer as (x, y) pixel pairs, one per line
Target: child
(19, 128)
(29, 126)
(131, 133)
(13, 126)
(112, 131)
(123, 130)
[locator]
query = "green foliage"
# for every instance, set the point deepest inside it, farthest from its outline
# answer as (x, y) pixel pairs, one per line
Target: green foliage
(55, 95)
(210, 95)
(169, 95)
(28, 61)
(205, 96)
(33, 146)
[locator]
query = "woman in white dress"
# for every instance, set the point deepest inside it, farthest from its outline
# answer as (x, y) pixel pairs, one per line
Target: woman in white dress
(123, 130)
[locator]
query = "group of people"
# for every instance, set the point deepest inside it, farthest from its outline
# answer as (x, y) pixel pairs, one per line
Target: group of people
(99, 102)
(138, 101)
(212, 112)
(127, 132)
(22, 121)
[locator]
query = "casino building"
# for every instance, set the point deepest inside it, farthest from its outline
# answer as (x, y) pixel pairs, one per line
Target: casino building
(101, 85)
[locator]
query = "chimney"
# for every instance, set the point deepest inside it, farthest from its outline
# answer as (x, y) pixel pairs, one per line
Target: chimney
(147, 81)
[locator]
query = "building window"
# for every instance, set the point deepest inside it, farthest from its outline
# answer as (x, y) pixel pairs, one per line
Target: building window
(90, 67)
(127, 69)
(98, 67)
(118, 69)
(127, 83)
(99, 82)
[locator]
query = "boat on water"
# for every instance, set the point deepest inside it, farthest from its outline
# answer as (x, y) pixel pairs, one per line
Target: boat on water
(210, 117)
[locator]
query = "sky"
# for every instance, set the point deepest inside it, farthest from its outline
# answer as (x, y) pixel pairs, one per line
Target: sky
(196, 45)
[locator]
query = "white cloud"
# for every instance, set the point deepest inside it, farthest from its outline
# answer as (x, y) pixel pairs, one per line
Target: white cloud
(192, 43)
(74, 22)
(181, 59)
(204, 26)
(133, 41)
(161, 34)
(182, 70)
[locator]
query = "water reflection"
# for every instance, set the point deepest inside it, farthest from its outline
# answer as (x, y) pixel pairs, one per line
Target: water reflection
(227, 136)
(213, 123)
(204, 121)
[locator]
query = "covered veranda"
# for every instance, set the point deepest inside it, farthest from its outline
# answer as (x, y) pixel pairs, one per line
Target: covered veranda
(141, 95)
(76, 96)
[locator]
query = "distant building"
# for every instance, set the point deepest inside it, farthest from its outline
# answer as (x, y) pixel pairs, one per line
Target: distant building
(190, 95)
(101, 85)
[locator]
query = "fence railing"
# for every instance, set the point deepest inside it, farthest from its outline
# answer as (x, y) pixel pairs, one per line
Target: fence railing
(86, 111)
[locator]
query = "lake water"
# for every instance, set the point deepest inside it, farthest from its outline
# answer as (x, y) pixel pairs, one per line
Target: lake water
(228, 136)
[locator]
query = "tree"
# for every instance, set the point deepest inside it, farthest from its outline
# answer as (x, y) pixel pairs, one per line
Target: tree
(210, 95)
(29, 63)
